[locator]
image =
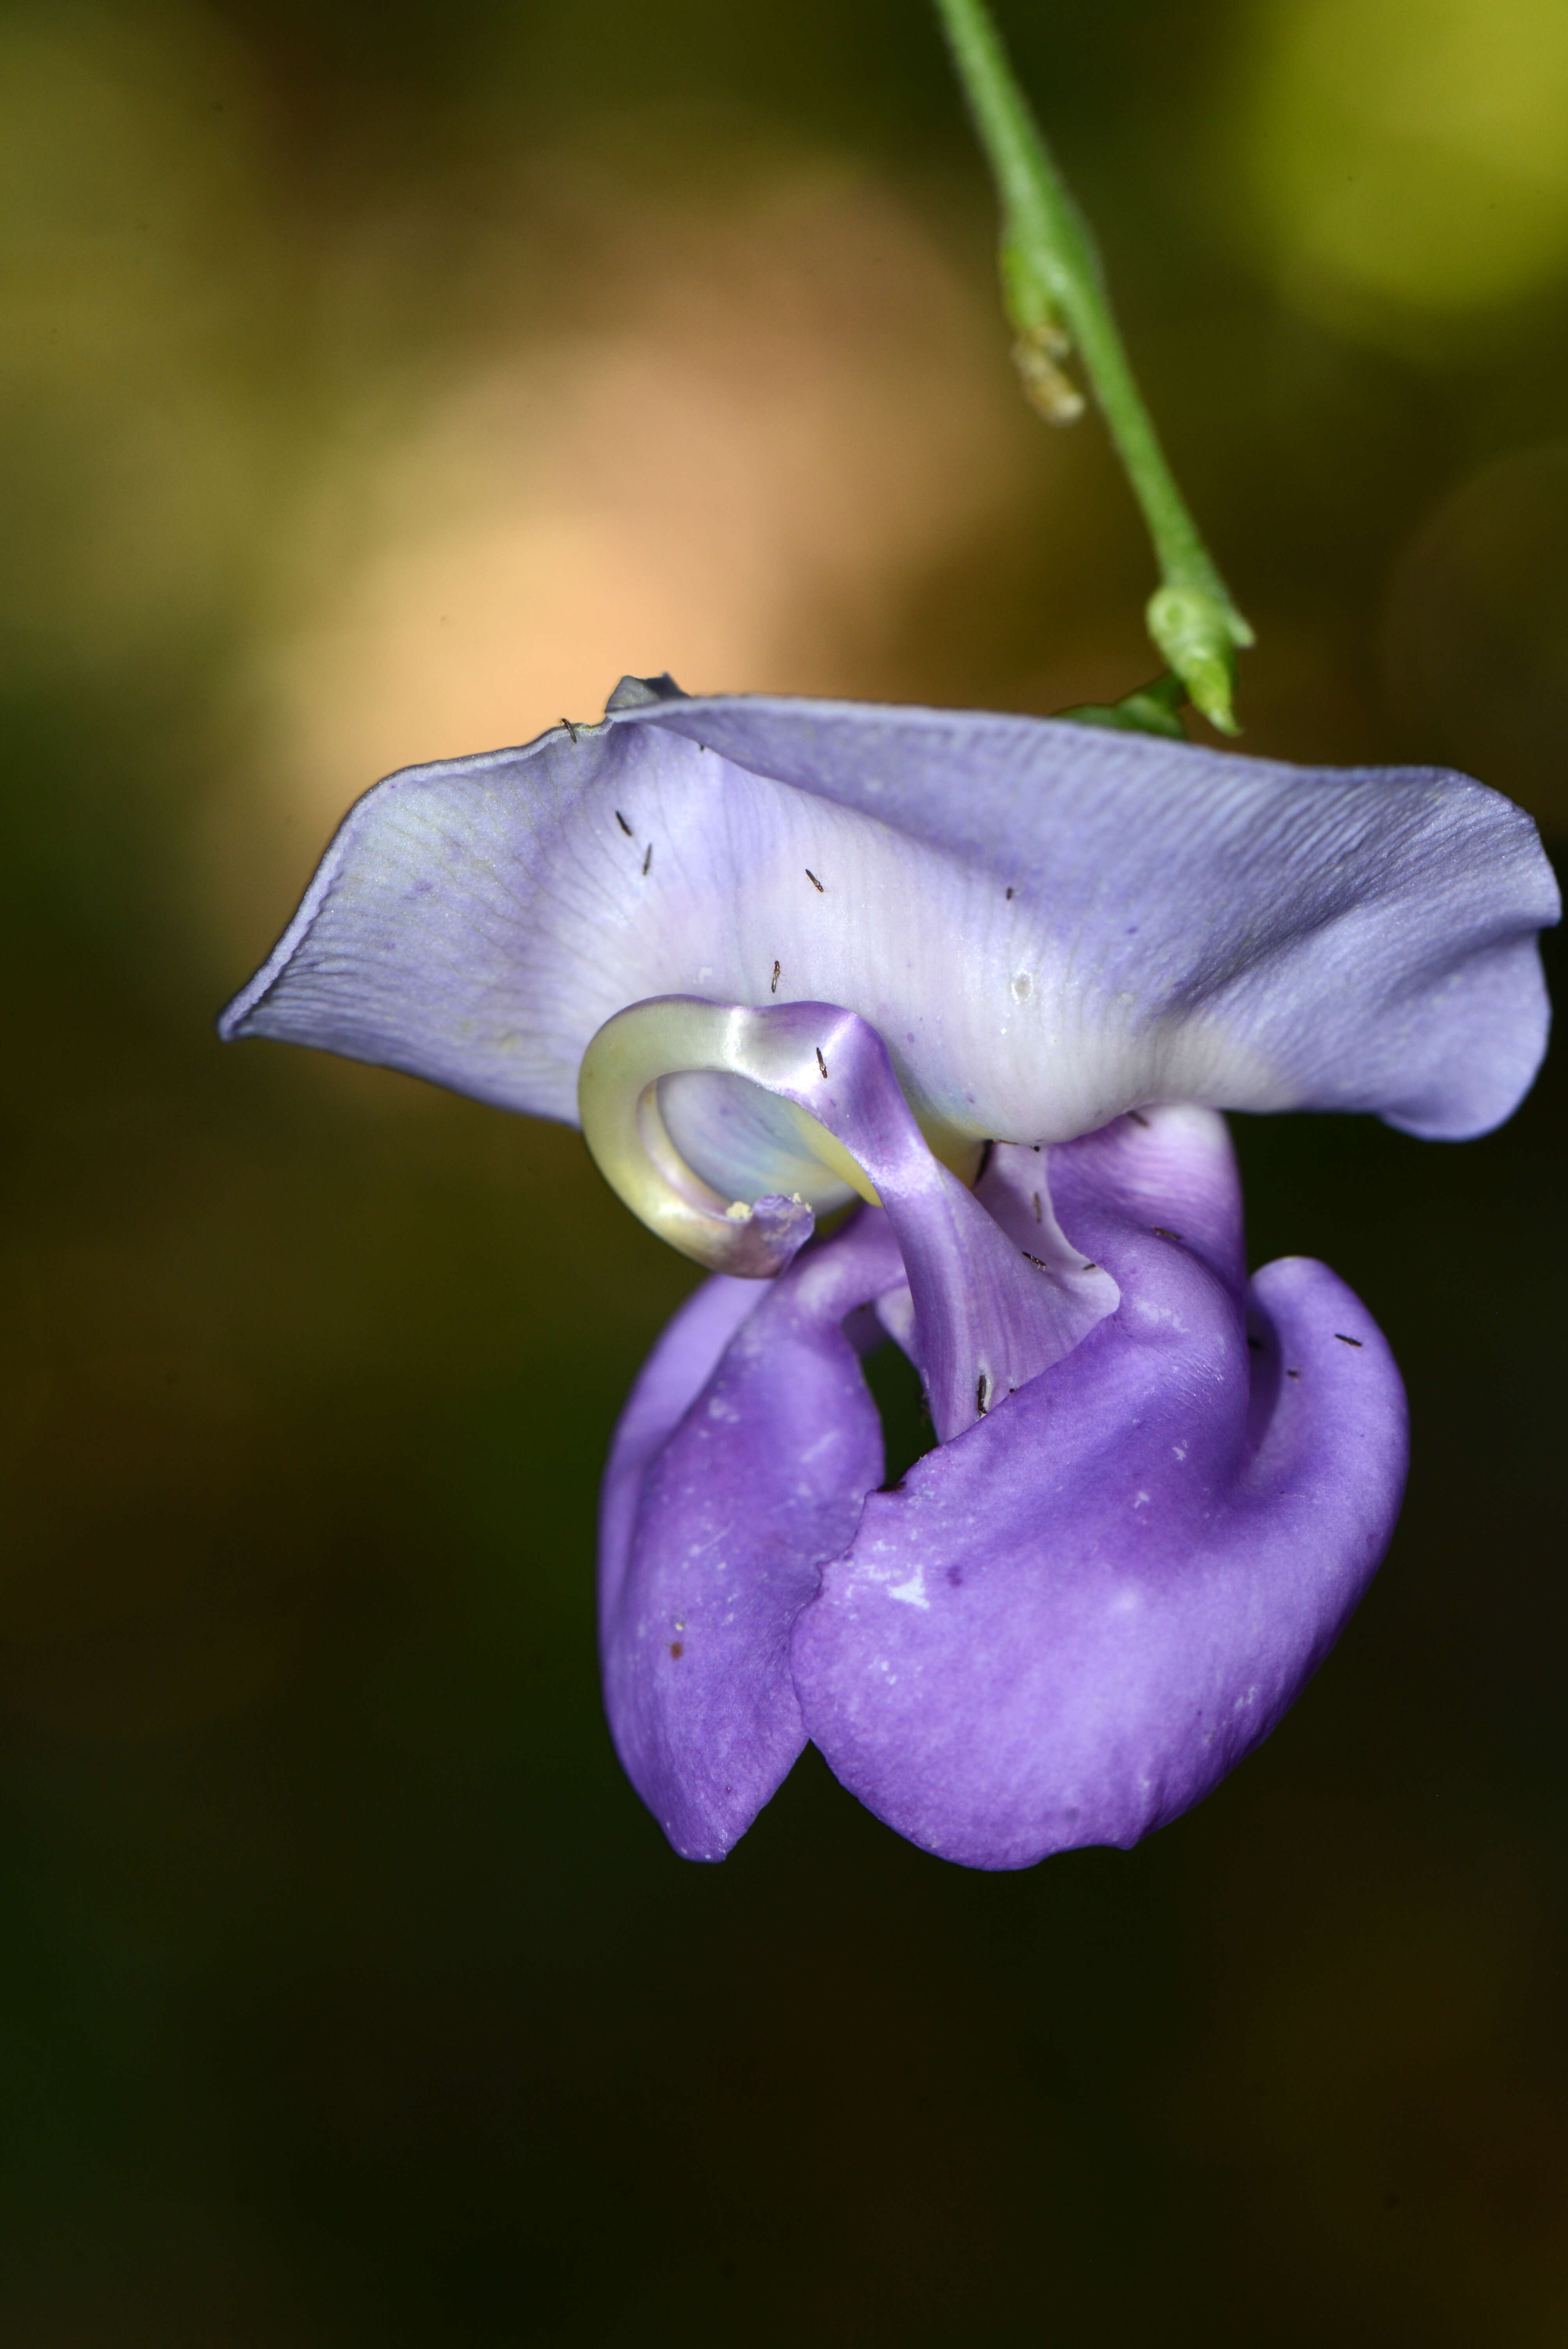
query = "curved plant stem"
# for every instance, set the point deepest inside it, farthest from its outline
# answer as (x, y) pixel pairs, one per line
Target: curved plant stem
(1057, 301)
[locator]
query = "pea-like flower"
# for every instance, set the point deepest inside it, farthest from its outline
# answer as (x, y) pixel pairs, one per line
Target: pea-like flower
(996, 976)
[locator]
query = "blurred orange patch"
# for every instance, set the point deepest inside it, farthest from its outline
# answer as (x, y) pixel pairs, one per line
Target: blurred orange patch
(782, 418)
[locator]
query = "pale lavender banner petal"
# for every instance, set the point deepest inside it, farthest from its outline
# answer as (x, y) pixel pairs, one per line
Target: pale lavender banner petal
(715, 1538)
(1071, 1622)
(1048, 924)
(1237, 931)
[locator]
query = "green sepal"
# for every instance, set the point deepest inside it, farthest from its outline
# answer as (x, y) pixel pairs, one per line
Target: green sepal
(1198, 635)
(1152, 709)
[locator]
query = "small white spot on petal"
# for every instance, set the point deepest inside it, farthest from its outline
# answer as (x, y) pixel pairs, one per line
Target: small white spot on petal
(912, 1592)
(1158, 1316)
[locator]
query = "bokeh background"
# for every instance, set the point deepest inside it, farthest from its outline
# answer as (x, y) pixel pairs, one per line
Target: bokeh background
(380, 380)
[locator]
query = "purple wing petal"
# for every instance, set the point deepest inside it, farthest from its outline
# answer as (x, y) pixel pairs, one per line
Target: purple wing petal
(1071, 1622)
(1047, 923)
(687, 1353)
(739, 1469)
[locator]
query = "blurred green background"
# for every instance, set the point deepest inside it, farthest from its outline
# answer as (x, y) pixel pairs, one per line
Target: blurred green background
(379, 382)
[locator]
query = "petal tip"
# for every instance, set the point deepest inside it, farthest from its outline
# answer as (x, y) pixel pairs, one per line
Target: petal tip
(642, 692)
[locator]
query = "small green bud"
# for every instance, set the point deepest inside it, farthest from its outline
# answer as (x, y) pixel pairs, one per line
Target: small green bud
(1198, 635)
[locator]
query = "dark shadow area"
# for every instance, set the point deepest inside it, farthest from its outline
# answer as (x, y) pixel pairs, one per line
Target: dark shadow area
(907, 1432)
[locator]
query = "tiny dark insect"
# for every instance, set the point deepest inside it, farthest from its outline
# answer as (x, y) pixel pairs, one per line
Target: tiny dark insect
(982, 1394)
(1033, 1260)
(774, 988)
(821, 1062)
(624, 824)
(1161, 1233)
(1090, 1267)
(1137, 1117)
(1039, 1217)
(678, 1648)
(569, 727)
(1009, 893)
(648, 858)
(815, 883)
(1293, 1374)
(1345, 1340)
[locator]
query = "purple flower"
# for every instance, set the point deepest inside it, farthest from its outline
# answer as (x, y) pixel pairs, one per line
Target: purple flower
(996, 975)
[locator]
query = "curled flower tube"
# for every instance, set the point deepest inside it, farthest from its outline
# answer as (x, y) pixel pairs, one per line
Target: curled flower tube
(994, 978)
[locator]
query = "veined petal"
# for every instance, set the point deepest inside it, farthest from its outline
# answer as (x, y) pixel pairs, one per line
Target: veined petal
(1229, 930)
(1048, 924)
(741, 1464)
(1066, 1626)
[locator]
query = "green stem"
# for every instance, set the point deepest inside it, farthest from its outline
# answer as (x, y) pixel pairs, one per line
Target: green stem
(1054, 296)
